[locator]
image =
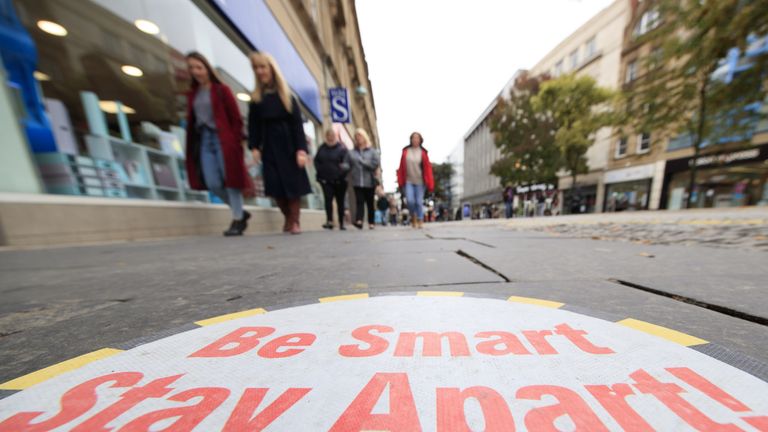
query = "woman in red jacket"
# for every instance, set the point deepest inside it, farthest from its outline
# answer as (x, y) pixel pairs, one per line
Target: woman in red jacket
(413, 176)
(214, 141)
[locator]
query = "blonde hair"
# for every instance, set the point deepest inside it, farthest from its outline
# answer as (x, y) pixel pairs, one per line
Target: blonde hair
(365, 136)
(280, 84)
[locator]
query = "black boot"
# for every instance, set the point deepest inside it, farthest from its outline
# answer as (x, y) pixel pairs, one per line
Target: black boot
(328, 226)
(244, 222)
(236, 229)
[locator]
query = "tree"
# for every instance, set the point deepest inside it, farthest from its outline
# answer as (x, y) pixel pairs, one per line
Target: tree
(524, 136)
(681, 90)
(579, 108)
(442, 174)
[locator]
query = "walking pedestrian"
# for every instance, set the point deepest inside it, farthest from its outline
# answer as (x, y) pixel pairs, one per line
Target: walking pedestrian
(509, 198)
(414, 175)
(364, 162)
(332, 166)
(276, 137)
(382, 205)
(215, 156)
(392, 211)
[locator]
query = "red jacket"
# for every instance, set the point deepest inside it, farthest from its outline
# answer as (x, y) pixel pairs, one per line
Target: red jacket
(229, 125)
(426, 170)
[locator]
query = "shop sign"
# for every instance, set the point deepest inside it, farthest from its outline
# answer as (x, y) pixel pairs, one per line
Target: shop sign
(403, 364)
(630, 174)
(339, 99)
(534, 188)
(727, 158)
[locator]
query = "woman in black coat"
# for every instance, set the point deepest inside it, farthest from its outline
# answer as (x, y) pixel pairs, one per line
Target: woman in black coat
(276, 137)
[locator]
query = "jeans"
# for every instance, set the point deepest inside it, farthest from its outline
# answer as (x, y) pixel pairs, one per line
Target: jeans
(508, 209)
(212, 164)
(338, 191)
(364, 195)
(414, 195)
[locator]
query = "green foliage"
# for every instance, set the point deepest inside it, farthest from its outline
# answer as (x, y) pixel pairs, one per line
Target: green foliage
(677, 90)
(442, 174)
(525, 138)
(579, 108)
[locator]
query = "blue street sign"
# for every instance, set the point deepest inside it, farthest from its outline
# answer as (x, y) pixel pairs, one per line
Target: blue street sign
(339, 105)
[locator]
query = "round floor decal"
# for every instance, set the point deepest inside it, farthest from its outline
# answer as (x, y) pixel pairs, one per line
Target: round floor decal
(399, 363)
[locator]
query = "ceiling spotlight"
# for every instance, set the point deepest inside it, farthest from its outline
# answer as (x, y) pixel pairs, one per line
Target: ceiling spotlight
(51, 27)
(40, 76)
(110, 107)
(132, 71)
(147, 26)
(245, 97)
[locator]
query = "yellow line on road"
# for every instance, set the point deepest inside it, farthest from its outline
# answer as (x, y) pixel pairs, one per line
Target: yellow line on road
(537, 302)
(37, 377)
(344, 298)
(230, 317)
(663, 332)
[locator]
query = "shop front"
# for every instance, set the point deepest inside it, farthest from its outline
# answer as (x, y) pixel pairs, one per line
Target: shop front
(726, 179)
(628, 189)
(109, 81)
(539, 199)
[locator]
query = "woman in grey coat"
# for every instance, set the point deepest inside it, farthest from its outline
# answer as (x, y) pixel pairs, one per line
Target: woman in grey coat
(364, 162)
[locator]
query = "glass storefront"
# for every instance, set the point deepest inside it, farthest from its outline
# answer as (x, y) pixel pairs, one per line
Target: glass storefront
(580, 200)
(726, 179)
(627, 196)
(114, 78)
(743, 185)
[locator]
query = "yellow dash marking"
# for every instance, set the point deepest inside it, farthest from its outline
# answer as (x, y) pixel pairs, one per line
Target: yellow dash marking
(344, 297)
(662, 332)
(230, 317)
(37, 377)
(537, 302)
(440, 293)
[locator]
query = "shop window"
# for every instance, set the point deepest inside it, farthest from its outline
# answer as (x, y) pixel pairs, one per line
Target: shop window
(621, 147)
(644, 142)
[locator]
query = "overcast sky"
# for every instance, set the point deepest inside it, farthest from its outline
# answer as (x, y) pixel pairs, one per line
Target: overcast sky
(435, 65)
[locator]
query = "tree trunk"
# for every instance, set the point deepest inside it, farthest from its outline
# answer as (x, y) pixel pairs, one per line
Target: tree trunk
(698, 139)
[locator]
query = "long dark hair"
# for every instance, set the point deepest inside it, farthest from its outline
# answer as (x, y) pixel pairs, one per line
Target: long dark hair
(212, 75)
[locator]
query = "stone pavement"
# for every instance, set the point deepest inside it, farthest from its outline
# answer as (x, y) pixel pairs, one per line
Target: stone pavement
(701, 273)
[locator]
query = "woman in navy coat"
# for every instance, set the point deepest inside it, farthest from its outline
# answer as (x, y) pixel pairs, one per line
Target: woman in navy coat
(276, 137)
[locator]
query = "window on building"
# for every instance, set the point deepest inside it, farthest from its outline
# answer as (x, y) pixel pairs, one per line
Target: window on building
(558, 68)
(574, 59)
(621, 147)
(644, 142)
(631, 71)
(649, 21)
(591, 48)
(656, 57)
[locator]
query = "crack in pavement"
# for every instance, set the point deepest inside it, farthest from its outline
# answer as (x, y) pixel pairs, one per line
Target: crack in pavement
(463, 254)
(692, 301)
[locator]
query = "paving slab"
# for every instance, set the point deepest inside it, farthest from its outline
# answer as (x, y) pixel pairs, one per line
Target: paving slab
(398, 362)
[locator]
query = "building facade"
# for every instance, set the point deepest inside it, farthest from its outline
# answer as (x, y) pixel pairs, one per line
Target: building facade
(593, 50)
(650, 170)
(103, 82)
(480, 152)
(456, 159)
